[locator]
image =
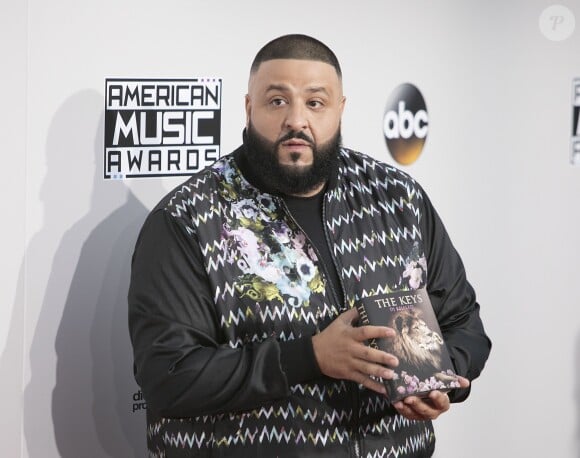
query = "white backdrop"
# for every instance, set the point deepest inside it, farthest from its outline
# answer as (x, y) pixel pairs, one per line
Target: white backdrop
(496, 165)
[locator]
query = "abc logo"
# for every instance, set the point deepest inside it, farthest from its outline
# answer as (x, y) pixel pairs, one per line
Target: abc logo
(405, 124)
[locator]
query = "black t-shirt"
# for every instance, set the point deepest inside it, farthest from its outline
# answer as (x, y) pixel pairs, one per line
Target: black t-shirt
(307, 211)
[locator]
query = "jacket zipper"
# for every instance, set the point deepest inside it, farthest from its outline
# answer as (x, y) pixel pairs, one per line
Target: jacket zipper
(342, 306)
(356, 401)
(320, 258)
(336, 266)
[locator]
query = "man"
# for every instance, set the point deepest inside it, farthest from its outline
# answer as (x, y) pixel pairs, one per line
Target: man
(244, 279)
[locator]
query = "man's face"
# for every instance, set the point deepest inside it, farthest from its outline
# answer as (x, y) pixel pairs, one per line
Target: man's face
(295, 106)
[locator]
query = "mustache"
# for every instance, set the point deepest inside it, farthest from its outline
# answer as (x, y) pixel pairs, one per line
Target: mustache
(296, 134)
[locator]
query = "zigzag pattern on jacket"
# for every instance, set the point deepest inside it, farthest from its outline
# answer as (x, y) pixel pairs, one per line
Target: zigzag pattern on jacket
(267, 282)
(414, 443)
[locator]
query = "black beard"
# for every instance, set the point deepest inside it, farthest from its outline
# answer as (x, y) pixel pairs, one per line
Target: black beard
(262, 156)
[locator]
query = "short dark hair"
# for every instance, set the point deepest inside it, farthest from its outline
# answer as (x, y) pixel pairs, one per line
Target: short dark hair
(296, 46)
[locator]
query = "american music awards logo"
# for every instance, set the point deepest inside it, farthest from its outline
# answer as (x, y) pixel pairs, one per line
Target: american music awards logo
(163, 127)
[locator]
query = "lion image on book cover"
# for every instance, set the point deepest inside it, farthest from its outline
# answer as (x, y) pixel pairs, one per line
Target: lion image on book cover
(418, 347)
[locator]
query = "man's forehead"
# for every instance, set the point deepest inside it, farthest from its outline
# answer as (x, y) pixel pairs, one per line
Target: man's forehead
(278, 72)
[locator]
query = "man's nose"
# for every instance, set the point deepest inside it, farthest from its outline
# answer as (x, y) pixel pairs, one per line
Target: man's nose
(296, 118)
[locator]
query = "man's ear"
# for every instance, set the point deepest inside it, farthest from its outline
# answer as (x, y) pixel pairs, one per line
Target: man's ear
(248, 105)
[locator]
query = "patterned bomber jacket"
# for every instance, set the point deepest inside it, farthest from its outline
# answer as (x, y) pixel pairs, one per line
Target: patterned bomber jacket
(225, 287)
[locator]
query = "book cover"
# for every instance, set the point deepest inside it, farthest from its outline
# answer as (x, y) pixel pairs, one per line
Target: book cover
(424, 362)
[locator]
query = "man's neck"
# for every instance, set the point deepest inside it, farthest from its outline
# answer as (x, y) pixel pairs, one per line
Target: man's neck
(312, 192)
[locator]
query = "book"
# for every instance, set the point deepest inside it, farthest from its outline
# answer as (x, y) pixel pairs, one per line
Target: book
(424, 361)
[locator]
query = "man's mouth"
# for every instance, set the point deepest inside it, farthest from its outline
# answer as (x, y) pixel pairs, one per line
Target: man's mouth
(295, 142)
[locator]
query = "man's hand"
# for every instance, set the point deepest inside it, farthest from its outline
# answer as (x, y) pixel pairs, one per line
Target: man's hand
(341, 352)
(429, 408)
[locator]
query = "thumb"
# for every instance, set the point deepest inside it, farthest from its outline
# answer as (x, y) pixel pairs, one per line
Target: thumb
(463, 382)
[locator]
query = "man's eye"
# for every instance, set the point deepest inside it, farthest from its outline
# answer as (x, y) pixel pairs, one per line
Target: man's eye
(315, 104)
(277, 102)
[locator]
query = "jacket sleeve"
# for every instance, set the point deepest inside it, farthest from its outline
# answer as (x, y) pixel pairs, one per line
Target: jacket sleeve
(181, 360)
(454, 302)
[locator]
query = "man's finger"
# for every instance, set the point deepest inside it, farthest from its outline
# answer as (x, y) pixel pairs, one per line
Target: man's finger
(375, 370)
(439, 400)
(373, 355)
(350, 316)
(463, 382)
(406, 411)
(371, 384)
(363, 333)
(427, 409)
